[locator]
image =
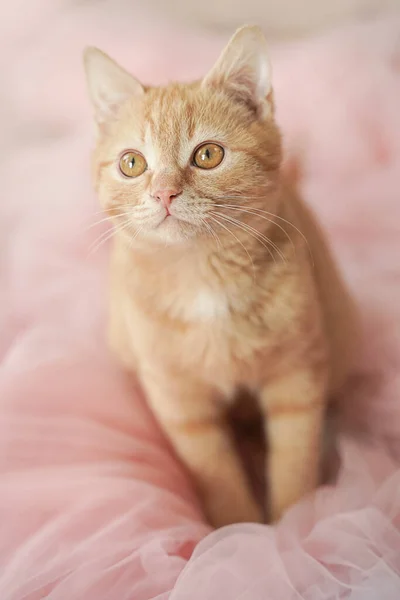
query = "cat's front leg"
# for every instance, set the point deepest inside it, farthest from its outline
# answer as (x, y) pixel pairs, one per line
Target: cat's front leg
(193, 422)
(294, 408)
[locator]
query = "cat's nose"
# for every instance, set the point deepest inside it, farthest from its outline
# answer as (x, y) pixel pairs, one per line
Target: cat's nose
(167, 196)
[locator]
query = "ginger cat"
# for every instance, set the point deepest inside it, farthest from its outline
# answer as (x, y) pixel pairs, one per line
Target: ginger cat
(220, 277)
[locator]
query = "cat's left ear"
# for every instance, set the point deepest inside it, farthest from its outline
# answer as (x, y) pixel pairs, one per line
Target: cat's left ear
(109, 85)
(244, 71)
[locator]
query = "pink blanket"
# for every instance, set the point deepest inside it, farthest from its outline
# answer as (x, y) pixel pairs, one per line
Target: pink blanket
(93, 505)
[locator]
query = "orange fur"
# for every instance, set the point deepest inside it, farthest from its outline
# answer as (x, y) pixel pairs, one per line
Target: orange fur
(236, 288)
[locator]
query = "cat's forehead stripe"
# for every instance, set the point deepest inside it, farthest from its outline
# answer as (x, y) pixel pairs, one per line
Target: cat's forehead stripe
(167, 123)
(175, 123)
(191, 123)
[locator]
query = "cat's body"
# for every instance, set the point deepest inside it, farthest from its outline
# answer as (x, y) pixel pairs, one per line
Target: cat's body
(231, 286)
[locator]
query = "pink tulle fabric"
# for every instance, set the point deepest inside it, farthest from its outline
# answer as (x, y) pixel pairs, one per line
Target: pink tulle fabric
(93, 504)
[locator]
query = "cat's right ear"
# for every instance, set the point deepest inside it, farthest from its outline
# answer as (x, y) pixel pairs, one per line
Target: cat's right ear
(109, 85)
(243, 70)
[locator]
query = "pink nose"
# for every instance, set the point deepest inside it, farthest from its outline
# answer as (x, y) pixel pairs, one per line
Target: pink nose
(167, 196)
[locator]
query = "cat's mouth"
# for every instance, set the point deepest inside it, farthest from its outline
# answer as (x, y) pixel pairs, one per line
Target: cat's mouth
(171, 217)
(175, 227)
(167, 217)
(169, 220)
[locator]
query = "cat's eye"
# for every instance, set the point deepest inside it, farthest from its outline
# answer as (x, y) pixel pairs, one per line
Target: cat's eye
(208, 156)
(132, 164)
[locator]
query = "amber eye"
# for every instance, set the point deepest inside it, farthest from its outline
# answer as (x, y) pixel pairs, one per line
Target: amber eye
(132, 164)
(208, 156)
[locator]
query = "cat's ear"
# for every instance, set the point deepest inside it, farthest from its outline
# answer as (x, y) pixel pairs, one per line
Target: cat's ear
(244, 70)
(109, 84)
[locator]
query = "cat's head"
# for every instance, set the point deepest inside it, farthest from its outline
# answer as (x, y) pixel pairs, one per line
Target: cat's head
(183, 162)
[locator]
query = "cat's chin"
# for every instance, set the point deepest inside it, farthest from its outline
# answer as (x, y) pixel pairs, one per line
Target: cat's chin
(172, 231)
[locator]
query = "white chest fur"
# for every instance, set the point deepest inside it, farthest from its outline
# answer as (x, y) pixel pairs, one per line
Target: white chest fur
(184, 287)
(205, 305)
(196, 303)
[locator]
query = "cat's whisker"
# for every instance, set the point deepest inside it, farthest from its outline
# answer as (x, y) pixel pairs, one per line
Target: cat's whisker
(99, 240)
(254, 211)
(237, 239)
(213, 233)
(102, 211)
(97, 244)
(283, 220)
(242, 226)
(273, 215)
(242, 196)
(104, 220)
(131, 244)
(113, 214)
(107, 235)
(137, 232)
(264, 240)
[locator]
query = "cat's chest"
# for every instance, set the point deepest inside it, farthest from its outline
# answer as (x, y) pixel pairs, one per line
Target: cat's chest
(197, 303)
(187, 291)
(189, 324)
(196, 320)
